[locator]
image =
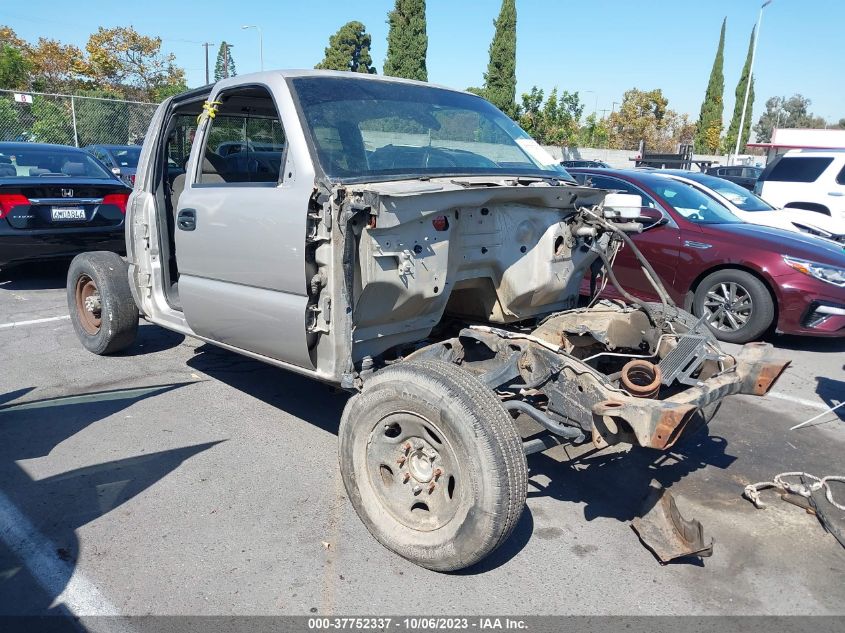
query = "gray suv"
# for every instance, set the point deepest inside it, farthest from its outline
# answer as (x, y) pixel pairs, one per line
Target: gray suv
(412, 245)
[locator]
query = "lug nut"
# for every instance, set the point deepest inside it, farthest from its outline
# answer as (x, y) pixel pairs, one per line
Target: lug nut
(431, 487)
(437, 473)
(401, 460)
(419, 446)
(405, 477)
(417, 489)
(406, 447)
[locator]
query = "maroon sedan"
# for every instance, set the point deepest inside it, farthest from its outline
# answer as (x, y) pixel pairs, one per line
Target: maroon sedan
(746, 278)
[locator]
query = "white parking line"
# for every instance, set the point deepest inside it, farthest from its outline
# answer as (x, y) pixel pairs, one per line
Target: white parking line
(3, 326)
(56, 577)
(812, 404)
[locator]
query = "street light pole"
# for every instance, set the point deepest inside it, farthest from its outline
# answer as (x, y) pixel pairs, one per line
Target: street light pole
(206, 45)
(260, 41)
(750, 78)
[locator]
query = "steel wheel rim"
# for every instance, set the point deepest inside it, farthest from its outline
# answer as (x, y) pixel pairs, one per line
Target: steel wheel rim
(414, 471)
(88, 304)
(728, 306)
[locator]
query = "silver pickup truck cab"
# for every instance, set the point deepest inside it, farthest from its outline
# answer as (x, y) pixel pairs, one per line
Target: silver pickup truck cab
(411, 244)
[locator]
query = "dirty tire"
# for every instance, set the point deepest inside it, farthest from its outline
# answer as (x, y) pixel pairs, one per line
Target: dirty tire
(479, 448)
(105, 274)
(762, 307)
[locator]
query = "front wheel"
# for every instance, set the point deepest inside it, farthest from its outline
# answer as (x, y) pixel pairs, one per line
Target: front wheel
(100, 302)
(433, 464)
(737, 305)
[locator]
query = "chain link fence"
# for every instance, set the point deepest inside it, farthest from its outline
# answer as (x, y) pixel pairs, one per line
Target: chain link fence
(72, 120)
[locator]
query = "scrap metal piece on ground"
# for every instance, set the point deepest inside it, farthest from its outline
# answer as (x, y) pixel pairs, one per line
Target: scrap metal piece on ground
(831, 518)
(752, 491)
(814, 491)
(665, 532)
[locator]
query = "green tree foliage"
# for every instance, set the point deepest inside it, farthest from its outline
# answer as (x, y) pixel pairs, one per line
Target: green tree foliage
(100, 121)
(225, 65)
(646, 116)
(709, 127)
(554, 121)
(125, 62)
(349, 49)
(407, 41)
(739, 93)
(119, 60)
(10, 125)
(786, 113)
(14, 68)
(53, 122)
(500, 78)
(594, 133)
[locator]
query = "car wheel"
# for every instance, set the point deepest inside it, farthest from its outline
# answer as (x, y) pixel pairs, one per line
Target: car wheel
(101, 306)
(737, 305)
(433, 464)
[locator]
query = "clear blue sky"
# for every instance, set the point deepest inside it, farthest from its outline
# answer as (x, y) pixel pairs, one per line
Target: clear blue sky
(604, 46)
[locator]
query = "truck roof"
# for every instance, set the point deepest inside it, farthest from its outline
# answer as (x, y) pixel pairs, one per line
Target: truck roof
(340, 74)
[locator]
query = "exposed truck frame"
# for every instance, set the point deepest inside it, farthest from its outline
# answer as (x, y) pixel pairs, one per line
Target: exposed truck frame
(447, 305)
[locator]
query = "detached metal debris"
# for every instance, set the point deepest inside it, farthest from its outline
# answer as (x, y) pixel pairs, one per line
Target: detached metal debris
(809, 488)
(665, 532)
(752, 491)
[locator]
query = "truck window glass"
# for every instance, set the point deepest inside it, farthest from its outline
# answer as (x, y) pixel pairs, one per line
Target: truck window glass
(378, 130)
(244, 142)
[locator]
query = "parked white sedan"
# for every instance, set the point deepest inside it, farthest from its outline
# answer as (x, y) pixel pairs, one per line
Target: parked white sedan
(751, 208)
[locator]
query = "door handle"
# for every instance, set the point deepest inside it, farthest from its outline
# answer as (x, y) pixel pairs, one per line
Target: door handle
(835, 193)
(187, 219)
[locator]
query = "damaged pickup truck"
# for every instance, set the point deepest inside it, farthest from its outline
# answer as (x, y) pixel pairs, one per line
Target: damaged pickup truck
(410, 244)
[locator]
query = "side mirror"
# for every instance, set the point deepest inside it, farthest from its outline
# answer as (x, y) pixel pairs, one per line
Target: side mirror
(115, 171)
(651, 218)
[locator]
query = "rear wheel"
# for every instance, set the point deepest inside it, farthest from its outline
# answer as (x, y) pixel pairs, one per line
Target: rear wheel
(737, 305)
(433, 464)
(101, 306)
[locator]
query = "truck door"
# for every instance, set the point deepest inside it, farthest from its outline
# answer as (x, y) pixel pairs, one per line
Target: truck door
(240, 224)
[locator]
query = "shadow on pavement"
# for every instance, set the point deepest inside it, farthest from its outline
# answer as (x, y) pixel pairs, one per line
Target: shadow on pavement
(302, 397)
(614, 484)
(808, 343)
(832, 391)
(39, 518)
(152, 339)
(35, 276)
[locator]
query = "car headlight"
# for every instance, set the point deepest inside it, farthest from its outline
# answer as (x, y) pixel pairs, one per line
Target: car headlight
(831, 274)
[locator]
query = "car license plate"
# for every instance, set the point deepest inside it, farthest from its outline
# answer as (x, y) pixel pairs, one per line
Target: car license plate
(64, 214)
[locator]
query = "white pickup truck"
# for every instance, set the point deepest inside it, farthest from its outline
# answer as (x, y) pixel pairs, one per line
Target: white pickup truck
(411, 244)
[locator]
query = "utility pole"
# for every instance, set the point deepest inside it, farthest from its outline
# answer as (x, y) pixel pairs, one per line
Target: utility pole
(206, 45)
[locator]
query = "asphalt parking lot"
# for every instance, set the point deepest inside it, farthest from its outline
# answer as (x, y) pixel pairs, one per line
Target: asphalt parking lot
(178, 478)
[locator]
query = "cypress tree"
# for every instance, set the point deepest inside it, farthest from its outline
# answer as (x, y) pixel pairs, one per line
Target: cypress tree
(349, 49)
(709, 126)
(745, 77)
(225, 65)
(500, 78)
(407, 41)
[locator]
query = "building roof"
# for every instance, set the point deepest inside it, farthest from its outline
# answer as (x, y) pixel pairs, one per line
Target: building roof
(804, 138)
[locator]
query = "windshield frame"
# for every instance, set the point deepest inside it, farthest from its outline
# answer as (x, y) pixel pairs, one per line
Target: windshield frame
(554, 173)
